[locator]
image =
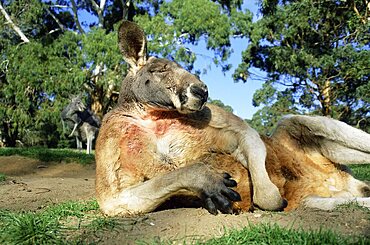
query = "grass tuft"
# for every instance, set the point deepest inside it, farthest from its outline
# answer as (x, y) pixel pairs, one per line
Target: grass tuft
(274, 234)
(49, 155)
(101, 223)
(352, 206)
(48, 226)
(28, 228)
(73, 209)
(360, 171)
(2, 177)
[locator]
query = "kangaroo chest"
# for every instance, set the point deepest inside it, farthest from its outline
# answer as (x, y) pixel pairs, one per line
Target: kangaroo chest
(169, 141)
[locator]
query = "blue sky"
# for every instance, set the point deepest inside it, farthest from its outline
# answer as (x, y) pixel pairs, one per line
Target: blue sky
(222, 86)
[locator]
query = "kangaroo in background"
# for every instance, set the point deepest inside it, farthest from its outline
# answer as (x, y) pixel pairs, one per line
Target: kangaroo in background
(83, 123)
(162, 140)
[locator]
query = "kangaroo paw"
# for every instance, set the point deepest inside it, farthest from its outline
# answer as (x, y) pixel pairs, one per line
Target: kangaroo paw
(220, 196)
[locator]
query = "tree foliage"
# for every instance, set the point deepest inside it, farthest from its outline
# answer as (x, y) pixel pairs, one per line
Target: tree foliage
(53, 49)
(219, 103)
(316, 56)
(173, 27)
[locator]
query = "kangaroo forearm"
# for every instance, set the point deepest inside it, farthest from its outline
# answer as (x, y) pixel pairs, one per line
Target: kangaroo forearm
(147, 196)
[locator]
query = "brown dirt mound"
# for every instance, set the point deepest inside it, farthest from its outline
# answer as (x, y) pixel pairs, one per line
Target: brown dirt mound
(32, 184)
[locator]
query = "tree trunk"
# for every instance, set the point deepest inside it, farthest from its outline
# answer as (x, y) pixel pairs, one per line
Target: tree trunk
(97, 104)
(99, 10)
(75, 17)
(102, 102)
(10, 136)
(325, 99)
(128, 10)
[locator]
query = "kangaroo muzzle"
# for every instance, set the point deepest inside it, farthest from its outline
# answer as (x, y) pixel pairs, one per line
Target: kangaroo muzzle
(193, 98)
(200, 92)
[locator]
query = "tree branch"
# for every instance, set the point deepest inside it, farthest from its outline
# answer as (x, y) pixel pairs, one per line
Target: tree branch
(363, 19)
(75, 17)
(59, 6)
(14, 26)
(99, 10)
(102, 4)
(61, 26)
(125, 6)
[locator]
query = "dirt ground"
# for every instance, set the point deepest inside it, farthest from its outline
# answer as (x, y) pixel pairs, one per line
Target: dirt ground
(32, 185)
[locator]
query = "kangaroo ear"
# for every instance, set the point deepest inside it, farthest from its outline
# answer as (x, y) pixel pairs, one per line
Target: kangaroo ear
(132, 43)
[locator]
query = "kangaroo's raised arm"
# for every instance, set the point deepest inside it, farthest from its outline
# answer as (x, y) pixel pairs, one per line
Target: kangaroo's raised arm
(158, 140)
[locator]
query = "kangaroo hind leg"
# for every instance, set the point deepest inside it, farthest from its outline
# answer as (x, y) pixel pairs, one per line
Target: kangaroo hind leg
(336, 140)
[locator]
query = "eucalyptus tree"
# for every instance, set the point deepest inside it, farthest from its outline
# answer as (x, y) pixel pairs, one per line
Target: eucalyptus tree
(316, 57)
(52, 49)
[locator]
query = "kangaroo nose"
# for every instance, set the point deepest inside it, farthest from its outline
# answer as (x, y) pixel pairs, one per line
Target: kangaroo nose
(200, 91)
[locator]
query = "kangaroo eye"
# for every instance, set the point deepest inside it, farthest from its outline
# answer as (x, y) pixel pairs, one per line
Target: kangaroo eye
(160, 69)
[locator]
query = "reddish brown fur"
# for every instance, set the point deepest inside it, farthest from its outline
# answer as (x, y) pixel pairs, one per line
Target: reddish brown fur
(162, 140)
(290, 169)
(296, 173)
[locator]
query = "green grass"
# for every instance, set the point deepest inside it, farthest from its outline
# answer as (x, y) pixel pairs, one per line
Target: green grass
(49, 226)
(361, 171)
(2, 177)
(28, 228)
(50, 155)
(352, 206)
(274, 234)
(75, 209)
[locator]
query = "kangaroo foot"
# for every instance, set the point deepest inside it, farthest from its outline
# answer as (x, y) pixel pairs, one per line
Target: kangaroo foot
(269, 198)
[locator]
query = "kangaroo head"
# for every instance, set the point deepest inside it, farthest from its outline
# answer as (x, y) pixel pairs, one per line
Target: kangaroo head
(76, 105)
(155, 82)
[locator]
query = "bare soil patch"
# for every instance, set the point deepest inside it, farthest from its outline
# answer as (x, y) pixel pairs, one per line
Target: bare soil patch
(32, 185)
